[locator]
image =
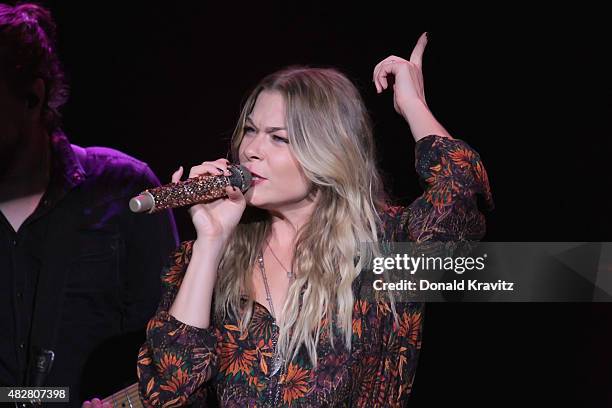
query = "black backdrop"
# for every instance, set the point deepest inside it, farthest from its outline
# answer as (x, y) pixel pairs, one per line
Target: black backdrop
(529, 90)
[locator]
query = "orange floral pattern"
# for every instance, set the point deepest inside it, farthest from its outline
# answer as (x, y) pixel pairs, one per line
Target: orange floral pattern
(296, 383)
(181, 365)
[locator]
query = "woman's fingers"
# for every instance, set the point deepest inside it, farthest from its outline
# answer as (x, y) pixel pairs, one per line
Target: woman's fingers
(376, 70)
(389, 58)
(417, 53)
(389, 67)
(234, 193)
(176, 176)
(384, 67)
(207, 168)
(392, 63)
(218, 167)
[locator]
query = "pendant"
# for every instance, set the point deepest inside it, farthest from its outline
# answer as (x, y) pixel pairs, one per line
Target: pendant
(276, 357)
(277, 362)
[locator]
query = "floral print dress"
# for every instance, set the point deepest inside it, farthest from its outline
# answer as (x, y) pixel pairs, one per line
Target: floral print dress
(182, 365)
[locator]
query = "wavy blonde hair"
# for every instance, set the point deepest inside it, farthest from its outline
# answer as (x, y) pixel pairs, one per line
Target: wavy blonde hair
(330, 135)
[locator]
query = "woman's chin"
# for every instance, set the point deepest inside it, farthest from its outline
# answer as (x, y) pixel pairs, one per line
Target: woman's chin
(253, 200)
(261, 203)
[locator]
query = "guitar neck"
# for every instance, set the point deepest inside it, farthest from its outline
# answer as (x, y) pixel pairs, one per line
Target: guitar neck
(127, 397)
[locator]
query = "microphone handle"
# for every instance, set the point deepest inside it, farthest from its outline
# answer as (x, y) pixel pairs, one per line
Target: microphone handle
(191, 191)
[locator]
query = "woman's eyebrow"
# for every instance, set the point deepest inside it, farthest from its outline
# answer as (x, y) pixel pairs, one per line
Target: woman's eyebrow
(269, 129)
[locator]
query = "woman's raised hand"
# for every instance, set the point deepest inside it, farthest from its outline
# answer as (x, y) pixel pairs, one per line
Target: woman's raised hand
(408, 87)
(216, 219)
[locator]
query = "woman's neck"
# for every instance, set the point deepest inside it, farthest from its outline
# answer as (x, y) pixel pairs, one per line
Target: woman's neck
(287, 223)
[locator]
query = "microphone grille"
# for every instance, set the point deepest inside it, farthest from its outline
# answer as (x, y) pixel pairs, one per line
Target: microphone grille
(241, 177)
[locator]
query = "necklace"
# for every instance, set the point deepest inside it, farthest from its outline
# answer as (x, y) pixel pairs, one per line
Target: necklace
(289, 273)
(277, 361)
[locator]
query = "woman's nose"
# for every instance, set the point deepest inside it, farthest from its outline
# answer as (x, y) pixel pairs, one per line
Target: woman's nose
(254, 148)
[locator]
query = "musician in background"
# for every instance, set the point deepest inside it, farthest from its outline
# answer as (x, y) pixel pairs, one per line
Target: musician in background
(77, 268)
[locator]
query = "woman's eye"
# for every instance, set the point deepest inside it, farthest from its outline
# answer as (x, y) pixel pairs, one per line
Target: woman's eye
(280, 139)
(248, 129)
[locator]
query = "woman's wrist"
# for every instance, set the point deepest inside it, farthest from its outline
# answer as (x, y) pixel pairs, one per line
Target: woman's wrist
(415, 110)
(420, 119)
(209, 247)
(192, 303)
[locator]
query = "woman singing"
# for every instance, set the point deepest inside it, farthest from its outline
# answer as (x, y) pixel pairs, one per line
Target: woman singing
(264, 308)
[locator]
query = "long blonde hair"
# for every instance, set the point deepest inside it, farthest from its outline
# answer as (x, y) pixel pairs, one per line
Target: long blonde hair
(330, 135)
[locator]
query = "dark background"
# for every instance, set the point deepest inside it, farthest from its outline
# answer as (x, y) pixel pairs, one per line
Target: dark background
(530, 91)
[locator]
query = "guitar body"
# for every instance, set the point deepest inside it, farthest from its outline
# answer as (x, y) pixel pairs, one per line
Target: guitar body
(125, 398)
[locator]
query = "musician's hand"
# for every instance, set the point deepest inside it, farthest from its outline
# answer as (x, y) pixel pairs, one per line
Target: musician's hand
(95, 403)
(408, 88)
(217, 219)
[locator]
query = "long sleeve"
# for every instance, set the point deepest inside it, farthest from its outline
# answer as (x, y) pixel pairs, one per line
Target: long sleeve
(386, 352)
(453, 176)
(176, 359)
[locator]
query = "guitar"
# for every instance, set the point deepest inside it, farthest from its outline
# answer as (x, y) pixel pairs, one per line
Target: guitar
(42, 363)
(125, 398)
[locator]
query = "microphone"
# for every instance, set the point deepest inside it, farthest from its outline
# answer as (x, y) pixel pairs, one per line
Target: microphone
(191, 191)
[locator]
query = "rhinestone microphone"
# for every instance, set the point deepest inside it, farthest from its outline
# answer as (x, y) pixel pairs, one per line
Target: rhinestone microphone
(191, 191)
